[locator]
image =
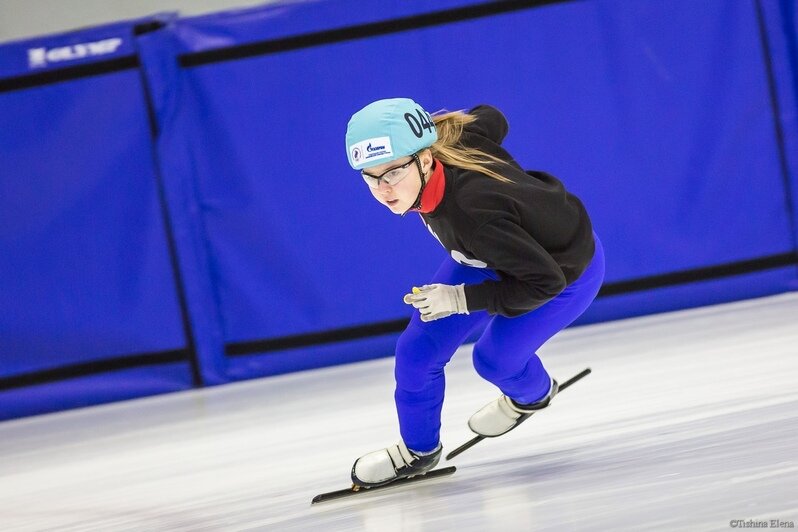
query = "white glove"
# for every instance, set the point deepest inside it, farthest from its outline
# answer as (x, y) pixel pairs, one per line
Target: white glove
(436, 301)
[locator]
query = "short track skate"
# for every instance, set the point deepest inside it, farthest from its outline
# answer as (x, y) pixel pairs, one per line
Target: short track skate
(476, 439)
(357, 490)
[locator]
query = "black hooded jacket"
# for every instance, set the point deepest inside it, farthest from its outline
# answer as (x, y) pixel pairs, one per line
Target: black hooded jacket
(535, 234)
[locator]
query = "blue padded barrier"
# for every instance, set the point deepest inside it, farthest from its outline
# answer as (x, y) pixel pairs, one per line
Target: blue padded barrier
(189, 211)
(85, 273)
(658, 134)
(779, 36)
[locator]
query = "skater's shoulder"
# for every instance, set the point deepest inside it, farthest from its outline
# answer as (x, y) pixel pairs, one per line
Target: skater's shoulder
(480, 195)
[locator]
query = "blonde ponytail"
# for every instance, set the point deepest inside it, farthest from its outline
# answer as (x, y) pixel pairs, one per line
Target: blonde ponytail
(451, 152)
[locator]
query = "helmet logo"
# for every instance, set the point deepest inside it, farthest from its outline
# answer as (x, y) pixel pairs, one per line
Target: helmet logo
(373, 149)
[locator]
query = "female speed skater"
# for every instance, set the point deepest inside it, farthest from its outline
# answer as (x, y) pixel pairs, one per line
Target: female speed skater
(524, 263)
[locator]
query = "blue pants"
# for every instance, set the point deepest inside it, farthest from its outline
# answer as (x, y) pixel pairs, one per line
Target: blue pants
(504, 355)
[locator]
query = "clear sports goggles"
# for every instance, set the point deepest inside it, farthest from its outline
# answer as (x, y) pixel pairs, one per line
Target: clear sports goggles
(391, 176)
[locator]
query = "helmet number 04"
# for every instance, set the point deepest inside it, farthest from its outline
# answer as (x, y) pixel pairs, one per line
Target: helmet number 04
(418, 125)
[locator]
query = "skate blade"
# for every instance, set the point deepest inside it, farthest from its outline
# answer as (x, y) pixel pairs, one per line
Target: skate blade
(359, 490)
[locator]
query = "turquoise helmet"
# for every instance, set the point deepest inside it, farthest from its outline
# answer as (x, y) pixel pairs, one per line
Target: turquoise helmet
(387, 130)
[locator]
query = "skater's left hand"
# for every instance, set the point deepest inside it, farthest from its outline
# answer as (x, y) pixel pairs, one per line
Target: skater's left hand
(436, 301)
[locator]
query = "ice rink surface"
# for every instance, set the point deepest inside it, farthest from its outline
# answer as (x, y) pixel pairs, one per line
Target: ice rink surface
(689, 421)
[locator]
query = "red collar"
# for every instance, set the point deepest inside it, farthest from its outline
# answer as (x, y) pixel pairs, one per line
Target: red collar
(433, 192)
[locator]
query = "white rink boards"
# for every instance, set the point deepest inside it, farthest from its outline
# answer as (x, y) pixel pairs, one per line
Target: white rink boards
(689, 421)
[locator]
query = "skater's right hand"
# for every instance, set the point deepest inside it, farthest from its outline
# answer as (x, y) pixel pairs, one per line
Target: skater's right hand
(437, 301)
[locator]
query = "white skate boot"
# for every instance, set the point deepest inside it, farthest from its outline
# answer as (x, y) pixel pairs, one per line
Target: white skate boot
(503, 415)
(395, 462)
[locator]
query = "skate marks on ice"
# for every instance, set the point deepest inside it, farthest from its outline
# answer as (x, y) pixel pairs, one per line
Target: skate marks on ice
(687, 422)
(678, 475)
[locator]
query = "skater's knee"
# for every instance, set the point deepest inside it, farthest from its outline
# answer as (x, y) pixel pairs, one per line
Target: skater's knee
(486, 365)
(415, 377)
